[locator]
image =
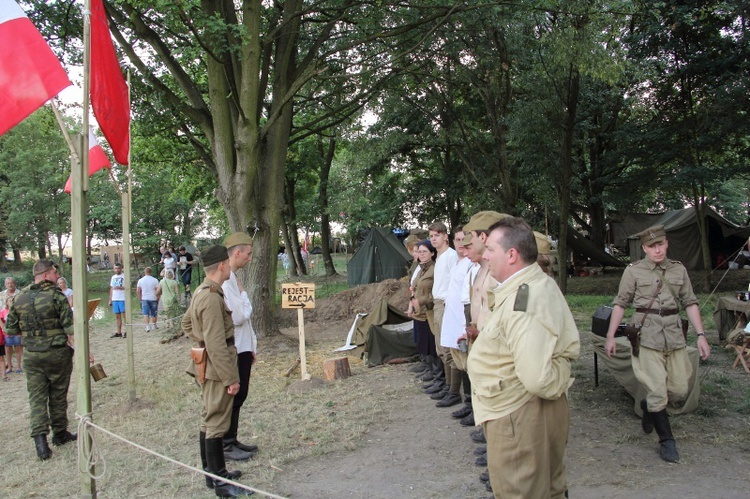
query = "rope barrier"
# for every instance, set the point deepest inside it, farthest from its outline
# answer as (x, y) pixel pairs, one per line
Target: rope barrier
(91, 455)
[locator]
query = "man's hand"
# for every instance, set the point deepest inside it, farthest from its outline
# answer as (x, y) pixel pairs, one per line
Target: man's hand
(703, 347)
(472, 332)
(610, 347)
(254, 357)
(233, 389)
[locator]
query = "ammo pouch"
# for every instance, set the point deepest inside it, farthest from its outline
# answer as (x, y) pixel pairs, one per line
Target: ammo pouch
(633, 333)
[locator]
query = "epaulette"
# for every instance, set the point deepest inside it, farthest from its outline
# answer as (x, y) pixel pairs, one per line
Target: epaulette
(633, 264)
(522, 298)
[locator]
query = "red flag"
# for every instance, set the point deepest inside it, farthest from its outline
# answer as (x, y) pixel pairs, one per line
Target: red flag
(30, 74)
(97, 159)
(109, 93)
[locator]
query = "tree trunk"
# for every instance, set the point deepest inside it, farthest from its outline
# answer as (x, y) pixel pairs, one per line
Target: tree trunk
(325, 222)
(288, 247)
(567, 169)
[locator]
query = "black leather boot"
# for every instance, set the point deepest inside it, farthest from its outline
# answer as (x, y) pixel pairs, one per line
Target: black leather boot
(667, 446)
(63, 437)
(217, 466)
(646, 423)
(232, 475)
(42, 447)
(231, 436)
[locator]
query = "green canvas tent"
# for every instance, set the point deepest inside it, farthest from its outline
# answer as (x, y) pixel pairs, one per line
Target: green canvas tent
(381, 256)
(724, 237)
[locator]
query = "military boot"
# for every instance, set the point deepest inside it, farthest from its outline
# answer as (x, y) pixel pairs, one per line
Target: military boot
(63, 437)
(217, 466)
(230, 437)
(42, 447)
(646, 422)
(232, 475)
(667, 446)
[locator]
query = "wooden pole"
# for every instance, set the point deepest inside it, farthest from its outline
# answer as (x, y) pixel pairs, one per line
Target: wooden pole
(79, 180)
(128, 293)
(302, 357)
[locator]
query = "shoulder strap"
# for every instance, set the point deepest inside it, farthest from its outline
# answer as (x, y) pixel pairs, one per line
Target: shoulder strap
(656, 293)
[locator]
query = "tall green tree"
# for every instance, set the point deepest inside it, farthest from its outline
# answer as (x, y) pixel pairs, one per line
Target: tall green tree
(34, 164)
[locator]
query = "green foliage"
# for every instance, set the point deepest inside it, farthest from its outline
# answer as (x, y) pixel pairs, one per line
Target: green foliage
(34, 165)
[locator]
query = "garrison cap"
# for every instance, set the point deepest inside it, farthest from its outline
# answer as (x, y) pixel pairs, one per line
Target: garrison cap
(543, 246)
(214, 255)
(482, 220)
(652, 235)
(237, 238)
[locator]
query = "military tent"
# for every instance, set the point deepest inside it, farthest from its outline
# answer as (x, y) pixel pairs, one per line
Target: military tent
(725, 238)
(381, 256)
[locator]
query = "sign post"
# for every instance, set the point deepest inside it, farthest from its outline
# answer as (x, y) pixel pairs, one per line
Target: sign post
(300, 296)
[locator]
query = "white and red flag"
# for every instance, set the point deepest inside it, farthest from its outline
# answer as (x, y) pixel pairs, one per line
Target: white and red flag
(30, 74)
(98, 159)
(109, 92)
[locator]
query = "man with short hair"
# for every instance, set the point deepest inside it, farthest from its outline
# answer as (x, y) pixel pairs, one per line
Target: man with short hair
(12, 343)
(146, 291)
(454, 327)
(117, 298)
(240, 248)
(446, 260)
(185, 262)
(208, 322)
(41, 314)
(657, 286)
(520, 368)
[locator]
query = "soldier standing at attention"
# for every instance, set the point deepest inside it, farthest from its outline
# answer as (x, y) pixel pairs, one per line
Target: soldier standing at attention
(657, 287)
(520, 369)
(41, 314)
(208, 322)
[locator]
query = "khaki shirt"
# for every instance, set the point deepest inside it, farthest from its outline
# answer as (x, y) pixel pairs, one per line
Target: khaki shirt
(480, 290)
(637, 287)
(520, 354)
(209, 321)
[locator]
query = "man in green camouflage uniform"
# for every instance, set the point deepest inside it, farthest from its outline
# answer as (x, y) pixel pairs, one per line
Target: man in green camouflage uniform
(41, 313)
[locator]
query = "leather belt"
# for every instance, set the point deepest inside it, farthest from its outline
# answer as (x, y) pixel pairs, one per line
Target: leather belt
(658, 311)
(230, 342)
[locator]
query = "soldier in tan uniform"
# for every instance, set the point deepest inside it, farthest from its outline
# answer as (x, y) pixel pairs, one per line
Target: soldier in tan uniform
(657, 287)
(520, 369)
(208, 322)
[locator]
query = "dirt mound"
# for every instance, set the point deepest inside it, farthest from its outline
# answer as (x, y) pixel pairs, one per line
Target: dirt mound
(360, 299)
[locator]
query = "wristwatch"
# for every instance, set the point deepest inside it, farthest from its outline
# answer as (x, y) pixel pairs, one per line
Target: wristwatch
(700, 334)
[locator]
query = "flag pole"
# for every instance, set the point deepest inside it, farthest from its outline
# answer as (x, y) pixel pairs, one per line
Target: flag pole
(126, 217)
(79, 178)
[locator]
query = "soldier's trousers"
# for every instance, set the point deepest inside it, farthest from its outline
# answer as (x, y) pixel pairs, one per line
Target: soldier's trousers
(47, 380)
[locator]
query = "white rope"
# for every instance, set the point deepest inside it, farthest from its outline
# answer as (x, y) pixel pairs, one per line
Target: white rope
(91, 455)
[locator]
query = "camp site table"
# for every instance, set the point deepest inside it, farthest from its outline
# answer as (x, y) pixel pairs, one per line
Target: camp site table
(730, 313)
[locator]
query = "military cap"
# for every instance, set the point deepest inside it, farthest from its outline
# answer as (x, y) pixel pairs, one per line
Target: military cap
(482, 220)
(237, 238)
(543, 246)
(411, 240)
(653, 235)
(214, 255)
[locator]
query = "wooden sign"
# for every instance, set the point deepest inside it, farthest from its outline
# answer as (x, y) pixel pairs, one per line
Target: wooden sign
(298, 295)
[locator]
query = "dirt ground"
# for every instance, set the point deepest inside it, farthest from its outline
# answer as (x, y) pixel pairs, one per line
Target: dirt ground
(411, 449)
(419, 451)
